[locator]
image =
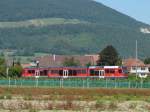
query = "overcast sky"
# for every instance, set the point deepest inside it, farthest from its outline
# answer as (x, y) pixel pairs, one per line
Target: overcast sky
(138, 9)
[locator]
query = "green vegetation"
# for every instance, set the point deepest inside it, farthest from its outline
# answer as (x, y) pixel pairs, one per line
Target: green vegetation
(80, 94)
(68, 27)
(147, 60)
(39, 22)
(108, 56)
(2, 67)
(14, 71)
(73, 99)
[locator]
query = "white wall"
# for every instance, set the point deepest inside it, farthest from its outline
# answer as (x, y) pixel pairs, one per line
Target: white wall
(139, 70)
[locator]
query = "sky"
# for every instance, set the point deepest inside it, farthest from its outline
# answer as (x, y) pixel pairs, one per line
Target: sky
(138, 9)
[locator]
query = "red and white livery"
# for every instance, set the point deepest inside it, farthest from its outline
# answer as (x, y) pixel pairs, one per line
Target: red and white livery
(67, 72)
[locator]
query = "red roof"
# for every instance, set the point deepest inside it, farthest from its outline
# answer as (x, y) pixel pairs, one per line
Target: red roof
(132, 62)
(57, 60)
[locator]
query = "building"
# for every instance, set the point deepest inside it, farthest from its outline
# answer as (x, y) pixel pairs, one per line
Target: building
(57, 60)
(136, 66)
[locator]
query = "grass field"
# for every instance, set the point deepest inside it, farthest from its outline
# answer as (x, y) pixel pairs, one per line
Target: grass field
(74, 99)
(40, 22)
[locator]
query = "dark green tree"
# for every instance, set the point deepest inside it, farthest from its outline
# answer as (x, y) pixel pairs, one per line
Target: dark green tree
(108, 56)
(2, 67)
(147, 60)
(88, 64)
(15, 71)
(71, 62)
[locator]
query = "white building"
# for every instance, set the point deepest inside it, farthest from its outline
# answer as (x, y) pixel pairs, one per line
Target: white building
(141, 71)
(136, 67)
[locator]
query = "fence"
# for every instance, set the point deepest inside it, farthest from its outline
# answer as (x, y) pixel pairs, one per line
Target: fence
(79, 83)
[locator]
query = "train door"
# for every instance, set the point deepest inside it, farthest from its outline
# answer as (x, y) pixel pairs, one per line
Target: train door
(37, 73)
(65, 73)
(101, 73)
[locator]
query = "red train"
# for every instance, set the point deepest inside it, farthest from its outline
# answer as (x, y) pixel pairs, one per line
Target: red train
(67, 72)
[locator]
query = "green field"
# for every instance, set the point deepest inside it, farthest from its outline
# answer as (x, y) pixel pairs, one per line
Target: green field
(40, 22)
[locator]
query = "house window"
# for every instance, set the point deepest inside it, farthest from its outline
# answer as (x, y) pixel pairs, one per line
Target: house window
(142, 68)
(133, 68)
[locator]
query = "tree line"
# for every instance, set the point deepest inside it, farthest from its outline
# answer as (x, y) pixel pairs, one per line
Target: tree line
(109, 56)
(13, 71)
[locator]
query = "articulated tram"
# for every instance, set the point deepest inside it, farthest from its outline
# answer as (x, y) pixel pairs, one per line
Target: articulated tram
(74, 72)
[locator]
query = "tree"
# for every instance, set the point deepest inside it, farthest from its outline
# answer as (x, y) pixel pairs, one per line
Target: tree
(71, 62)
(108, 56)
(15, 71)
(147, 60)
(88, 64)
(2, 67)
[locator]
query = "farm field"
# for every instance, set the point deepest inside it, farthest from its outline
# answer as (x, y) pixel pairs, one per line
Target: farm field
(17, 99)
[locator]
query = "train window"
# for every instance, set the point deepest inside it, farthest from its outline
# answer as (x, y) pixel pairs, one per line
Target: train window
(70, 72)
(97, 73)
(54, 71)
(120, 71)
(31, 71)
(43, 73)
(83, 71)
(74, 72)
(61, 72)
(78, 71)
(112, 71)
(106, 70)
(92, 72)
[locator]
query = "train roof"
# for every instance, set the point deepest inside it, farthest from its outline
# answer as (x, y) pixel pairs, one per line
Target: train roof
(55, 67)
(74, 67)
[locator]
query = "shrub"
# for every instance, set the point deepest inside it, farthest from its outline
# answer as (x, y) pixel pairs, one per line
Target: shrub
(100, 105)
(132, 106)
(112, 106)
(6, 96)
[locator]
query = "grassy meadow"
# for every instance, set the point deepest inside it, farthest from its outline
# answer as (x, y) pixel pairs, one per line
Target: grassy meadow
(73, 99)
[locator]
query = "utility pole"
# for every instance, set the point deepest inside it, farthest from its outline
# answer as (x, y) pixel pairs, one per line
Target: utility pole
(136, 58)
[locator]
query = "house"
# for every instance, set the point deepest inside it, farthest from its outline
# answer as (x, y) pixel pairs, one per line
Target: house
(148, 65)
(136, 66)
(57, 60)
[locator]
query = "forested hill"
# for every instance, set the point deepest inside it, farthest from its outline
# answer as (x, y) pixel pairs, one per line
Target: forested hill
(87, 10)
(68, 27)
